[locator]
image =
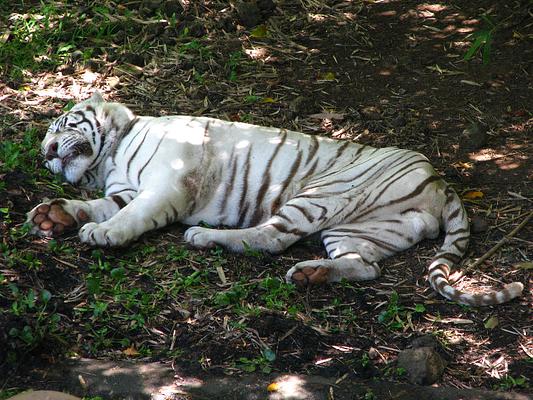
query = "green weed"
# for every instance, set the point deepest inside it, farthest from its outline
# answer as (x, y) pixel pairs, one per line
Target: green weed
(45, 37)
(231, 297)
(22, 155)
(395, 316)
(196, 48)
(482, 41)
(232, 64)
(7, 393)
(509, 382)
(262, 363)
(60, 248)
(32, 307)
(250, 251)
(277, 294)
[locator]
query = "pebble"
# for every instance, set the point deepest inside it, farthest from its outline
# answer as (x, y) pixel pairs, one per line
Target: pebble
(424, 366)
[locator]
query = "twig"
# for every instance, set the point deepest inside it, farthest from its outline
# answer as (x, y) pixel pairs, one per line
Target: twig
(497, 246)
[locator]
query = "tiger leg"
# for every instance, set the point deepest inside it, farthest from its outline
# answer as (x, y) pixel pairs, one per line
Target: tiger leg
(356, 248)
(149, 210)
(296, 219)
(265, 237)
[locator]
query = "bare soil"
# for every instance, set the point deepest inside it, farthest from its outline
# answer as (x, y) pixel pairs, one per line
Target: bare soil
(382, 73)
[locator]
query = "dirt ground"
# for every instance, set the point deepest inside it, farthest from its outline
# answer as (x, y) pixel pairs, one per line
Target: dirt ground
(378, 72)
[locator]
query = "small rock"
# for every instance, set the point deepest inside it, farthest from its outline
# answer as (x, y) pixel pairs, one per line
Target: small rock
(135, 59)
(478, 224)
(300, 105)
(154, 5)
(424, 366)
(173, 8)
(267, 7)
(399, 122)
(197, 30)
(76, 55)
(371, 112)
(66, 69)
(474, 137)
(249, 13)
(425, 341)
(43, 395)
(373, 353)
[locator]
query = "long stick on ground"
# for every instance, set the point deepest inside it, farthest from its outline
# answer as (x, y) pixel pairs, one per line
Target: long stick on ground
(497, 246)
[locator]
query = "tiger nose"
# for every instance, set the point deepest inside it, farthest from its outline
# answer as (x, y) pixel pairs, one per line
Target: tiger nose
(51, 152)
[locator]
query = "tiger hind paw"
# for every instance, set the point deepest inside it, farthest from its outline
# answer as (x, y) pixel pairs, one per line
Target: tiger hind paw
(308, 273)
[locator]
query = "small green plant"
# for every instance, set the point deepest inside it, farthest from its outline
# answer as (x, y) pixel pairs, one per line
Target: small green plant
(197, 48)
(390, 316)
(60, 248)
(252, 98)
(276, 294)
(509, 382)
(177, 254)
(482, 41)
(234, 296)
(365, 360)
(400, 371)
(232, 64)
(262, 363)
(369, 395)
(250, 251)
(7, 393)
(22, 155)
(4, 212)
(32, 307)
(395, 316)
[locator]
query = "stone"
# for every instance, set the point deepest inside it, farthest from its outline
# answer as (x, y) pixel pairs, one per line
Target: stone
(399, 122)
(43, 395)
(424, 366)
(474, 137)
(426, 341)
(371, 112)
(267, 7)
(478, 224)
(249, 13)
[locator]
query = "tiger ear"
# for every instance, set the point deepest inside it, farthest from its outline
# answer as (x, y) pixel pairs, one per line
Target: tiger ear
(96, 98)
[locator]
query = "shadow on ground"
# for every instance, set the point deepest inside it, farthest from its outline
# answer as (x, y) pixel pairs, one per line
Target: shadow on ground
(128, 380)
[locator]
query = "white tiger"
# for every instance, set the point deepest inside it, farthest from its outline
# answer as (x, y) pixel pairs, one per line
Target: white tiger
(273, 186)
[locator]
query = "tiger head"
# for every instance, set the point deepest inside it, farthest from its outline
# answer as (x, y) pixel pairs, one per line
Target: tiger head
(77, 143)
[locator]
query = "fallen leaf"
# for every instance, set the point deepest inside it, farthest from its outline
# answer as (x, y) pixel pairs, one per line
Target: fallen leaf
(130, 352)
(491, 323)
(4, 37)
(259, 31)
(527, 265)
(327, 116)
(221, 275)
(273, 387)
(328, 76)
(473, 195)
(471, 83)
(267, 100)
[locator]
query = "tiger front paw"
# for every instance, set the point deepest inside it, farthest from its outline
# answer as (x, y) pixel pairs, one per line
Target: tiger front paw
(51, 219)
(103, 235)
(199, 237)
(308, 273)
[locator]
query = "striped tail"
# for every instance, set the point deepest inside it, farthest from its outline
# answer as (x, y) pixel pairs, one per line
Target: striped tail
(457, 231)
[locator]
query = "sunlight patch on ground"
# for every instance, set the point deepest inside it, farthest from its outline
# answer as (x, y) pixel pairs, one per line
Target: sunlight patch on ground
(290, 386)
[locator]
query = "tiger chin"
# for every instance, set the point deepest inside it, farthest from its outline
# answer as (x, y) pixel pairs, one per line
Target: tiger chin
(272, 186)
